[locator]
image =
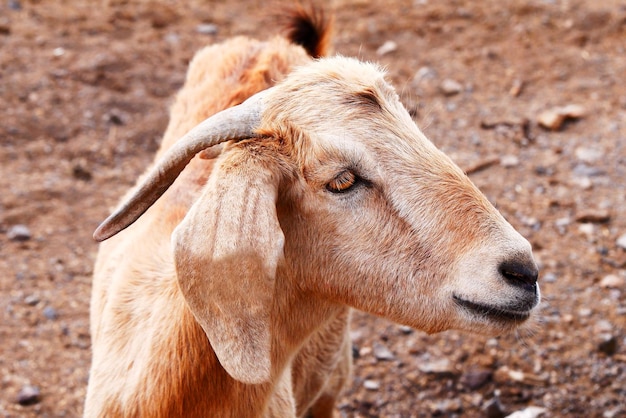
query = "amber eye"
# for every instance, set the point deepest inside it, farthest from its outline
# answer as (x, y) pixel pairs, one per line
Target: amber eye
(343, 182)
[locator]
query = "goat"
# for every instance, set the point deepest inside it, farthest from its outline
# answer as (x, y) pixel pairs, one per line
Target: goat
(229, 293)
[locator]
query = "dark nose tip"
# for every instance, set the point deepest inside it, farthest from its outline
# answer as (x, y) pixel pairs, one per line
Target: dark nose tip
(520, 274)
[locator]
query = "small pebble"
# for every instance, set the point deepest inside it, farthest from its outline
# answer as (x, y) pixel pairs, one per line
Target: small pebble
(621, 242)
(530, 412)
(371, 385)
(554, 118)
(475, 379)
(562, 224)
(439, 367)
(584, 170)
(603, 326)
(19, 233)
(544, 171)
(81, 173)
(602, 250)
(445, 406)
(550, 120)
(588, 155)
(492, 342)
(587, 229)
(50, 313)
(406, 330)
(29, 395)
(509, 161)
(595, 216)
(494, 409)
(613, 413)
(516, 375)
(516, 87)
(608, 344)
(31, 300)
(584, 183)
(424, 73)
(549, 278)
(365, 351)
(116, 117)
(506, 375)
(172, 39)
(15, 5)
(450, 87)
(207, 29)
(381, 352)
(386, 48)
(612, 281)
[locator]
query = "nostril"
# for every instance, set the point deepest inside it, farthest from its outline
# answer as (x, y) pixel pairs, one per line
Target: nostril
(519, 274)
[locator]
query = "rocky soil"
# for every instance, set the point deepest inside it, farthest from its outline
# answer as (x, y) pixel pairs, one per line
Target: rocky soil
(528, 96)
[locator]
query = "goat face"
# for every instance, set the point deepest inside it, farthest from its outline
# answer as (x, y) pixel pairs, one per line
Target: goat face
(376, 217)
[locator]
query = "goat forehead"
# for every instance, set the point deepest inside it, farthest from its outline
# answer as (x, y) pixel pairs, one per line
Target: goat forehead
(361, 114)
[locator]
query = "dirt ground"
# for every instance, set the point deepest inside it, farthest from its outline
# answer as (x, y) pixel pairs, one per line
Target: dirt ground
(84, 93)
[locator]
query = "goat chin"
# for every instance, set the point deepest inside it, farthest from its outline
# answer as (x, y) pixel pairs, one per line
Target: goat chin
(225, 283)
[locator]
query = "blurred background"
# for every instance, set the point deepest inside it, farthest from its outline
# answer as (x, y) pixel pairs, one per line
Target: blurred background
(527, 96)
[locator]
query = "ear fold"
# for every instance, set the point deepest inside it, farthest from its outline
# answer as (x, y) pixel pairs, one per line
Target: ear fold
(226, 253)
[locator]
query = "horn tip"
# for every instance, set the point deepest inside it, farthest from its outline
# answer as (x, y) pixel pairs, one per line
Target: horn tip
(99, 235)
(104, 231)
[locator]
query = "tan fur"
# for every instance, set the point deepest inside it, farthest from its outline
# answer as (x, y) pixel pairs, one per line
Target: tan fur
(231, 296)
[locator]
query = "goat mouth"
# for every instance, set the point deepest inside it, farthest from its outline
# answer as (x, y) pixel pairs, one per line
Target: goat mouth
(497, 313)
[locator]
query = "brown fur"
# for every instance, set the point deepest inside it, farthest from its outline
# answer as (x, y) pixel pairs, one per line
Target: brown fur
(231, 296)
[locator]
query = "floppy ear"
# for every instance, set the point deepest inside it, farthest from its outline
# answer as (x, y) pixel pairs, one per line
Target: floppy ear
(226, 252)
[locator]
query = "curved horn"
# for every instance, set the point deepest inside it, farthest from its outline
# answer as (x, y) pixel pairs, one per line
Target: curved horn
(237, 122)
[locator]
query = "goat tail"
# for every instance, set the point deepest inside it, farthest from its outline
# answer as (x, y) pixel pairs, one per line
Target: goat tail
(309, 27)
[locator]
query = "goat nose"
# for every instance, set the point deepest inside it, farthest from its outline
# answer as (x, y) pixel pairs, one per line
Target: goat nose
(520, 273)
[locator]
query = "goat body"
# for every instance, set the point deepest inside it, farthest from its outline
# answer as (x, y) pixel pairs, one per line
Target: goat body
(231, 295)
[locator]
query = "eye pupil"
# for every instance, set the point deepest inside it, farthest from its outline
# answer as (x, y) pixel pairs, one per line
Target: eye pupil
(342, 182)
